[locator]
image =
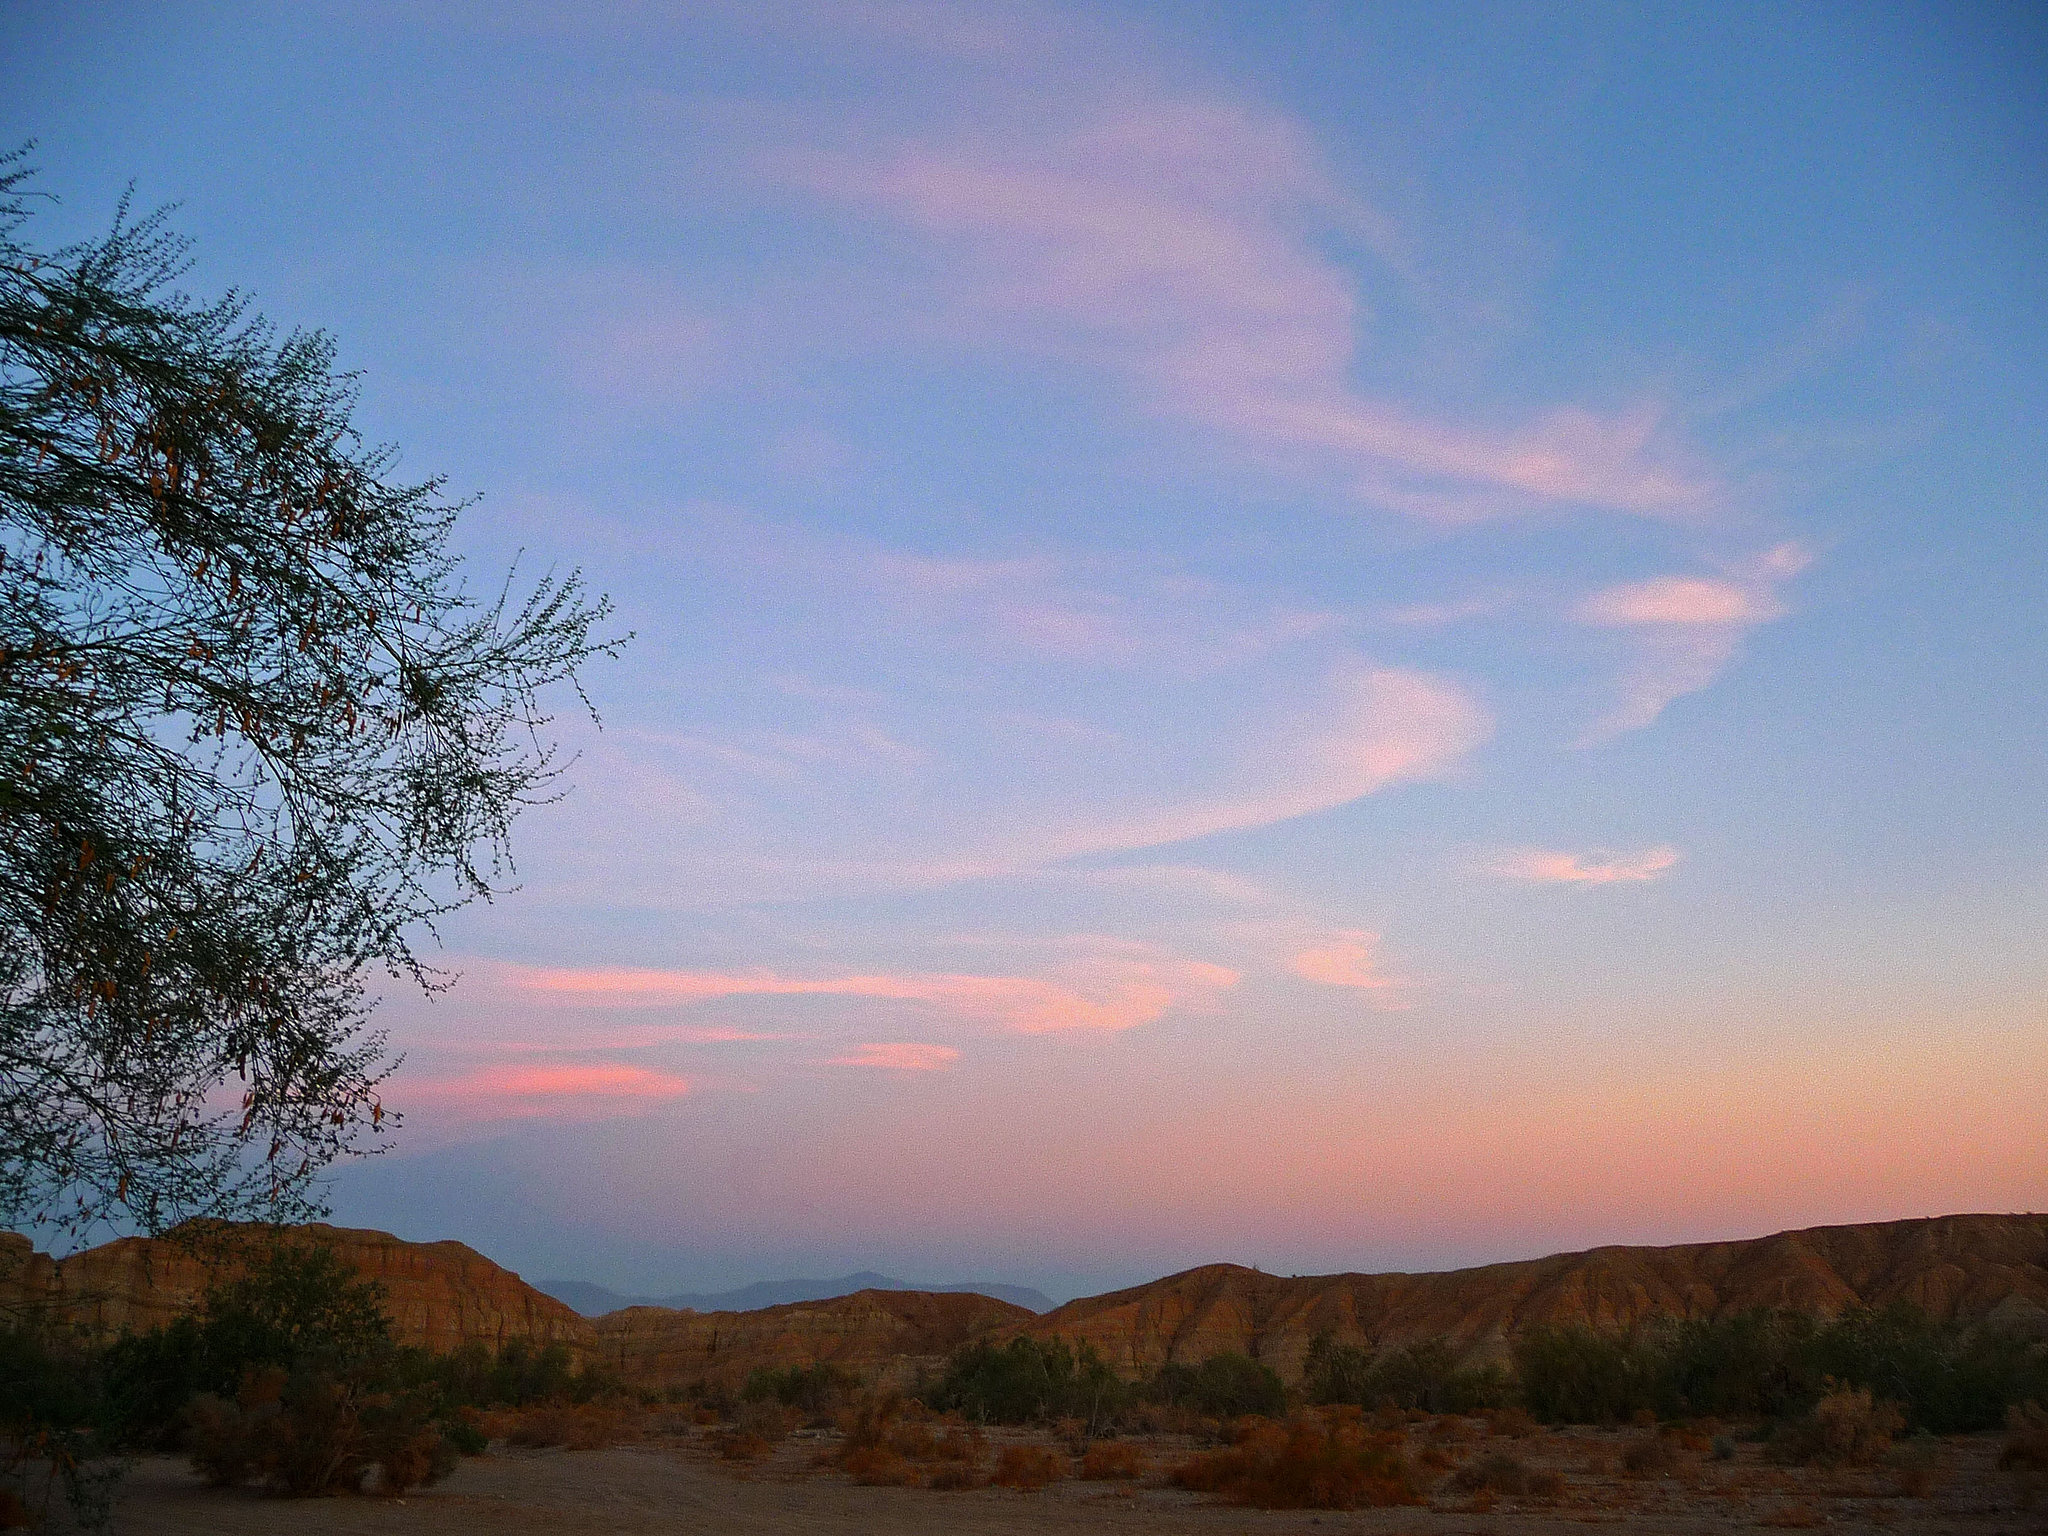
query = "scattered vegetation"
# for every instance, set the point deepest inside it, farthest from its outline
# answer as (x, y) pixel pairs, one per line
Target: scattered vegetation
(1425, 1377)
(1028, 1381)
(1224, 1386)
(1943, 1377)
(287, 1377)
(818, 1390)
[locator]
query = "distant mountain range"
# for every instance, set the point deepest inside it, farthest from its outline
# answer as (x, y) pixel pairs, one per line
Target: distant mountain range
(595, 1300)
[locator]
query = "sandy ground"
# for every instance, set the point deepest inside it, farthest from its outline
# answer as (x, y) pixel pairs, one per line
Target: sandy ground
(679, 1486)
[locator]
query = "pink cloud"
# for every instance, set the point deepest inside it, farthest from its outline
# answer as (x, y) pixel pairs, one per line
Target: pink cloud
(1549, 867)
(1347, 959)
(565, 1090)
(1679, 600)
(1177, 242)
(1117, 994)
(1382, 726)
(900, 1056)
(1687, 629)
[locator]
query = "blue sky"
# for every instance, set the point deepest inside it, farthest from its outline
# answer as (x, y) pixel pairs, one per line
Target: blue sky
(1333, 636)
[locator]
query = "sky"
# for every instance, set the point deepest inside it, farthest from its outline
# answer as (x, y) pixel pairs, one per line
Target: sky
(1332, 636)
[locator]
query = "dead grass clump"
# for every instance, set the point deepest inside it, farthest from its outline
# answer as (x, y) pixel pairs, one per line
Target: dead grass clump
(577, 1426)
(1026, 1467)
(1435, 1458)
(870, 1418)
(1510, 1423)
(1304, 1464)
(741, 1445)
(1450, 1429)
(1649, 1456)
(1845, 1429)
(2025, 1452)
(876, 1466)
(1799, 1515)
(961, 1443)
(1502, 1473)
(1112, 1461)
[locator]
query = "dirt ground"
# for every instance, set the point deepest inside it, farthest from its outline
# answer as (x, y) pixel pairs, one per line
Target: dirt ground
(679, 1485)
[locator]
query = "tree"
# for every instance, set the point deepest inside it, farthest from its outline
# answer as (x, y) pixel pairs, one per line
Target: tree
(256, 733)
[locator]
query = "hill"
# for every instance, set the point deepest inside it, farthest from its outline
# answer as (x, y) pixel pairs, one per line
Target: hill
(595, 1300)
(1964, 1267)
(444, 1294)
(439, 1295)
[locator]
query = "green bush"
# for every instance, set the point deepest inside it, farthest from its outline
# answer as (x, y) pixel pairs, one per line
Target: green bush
(1944, 1377)
(1425, 1376)
(815, 1389)
(1224, 1386)
(1028, 1381)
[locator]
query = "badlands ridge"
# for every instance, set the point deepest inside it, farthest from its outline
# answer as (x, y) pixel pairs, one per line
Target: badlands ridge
(445, 1294)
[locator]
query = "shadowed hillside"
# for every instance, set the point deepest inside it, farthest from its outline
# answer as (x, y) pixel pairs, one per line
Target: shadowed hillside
(1953, 1267)
(882, 1334)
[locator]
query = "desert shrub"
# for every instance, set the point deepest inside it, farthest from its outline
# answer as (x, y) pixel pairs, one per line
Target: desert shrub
(465, 1433)
(1846, 1428)
(1028, 1381)
(1426, 1376)
(1649, 1455)
(962, 1444)
(878, 1466)
(870, 1418)
(407, 1448)
(1112, 1460)
(1304, 1463)
(1027, 1467)
(312, 1433)
(1224, 1386)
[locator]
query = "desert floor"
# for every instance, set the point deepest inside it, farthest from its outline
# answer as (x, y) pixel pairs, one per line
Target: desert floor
(681, 1486)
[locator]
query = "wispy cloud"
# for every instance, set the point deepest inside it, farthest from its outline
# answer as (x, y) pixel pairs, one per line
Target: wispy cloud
(561, 1091)
(1110, 993)
(1180, 241)
(1382, 726)
(1557, 868)
(1685, 631)
(1348, 958)
(899, 1056)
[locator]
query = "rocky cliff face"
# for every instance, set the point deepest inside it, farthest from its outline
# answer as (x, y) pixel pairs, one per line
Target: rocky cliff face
(885, 1336)
(1969, 1267)
(439, 1295)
